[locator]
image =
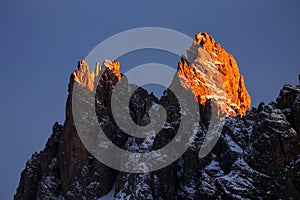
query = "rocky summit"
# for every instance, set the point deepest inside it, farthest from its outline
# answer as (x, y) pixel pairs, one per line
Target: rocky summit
(256, 157)
(214, 71)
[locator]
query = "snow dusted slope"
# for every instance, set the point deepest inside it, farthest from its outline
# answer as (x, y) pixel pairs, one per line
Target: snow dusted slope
(256, 157)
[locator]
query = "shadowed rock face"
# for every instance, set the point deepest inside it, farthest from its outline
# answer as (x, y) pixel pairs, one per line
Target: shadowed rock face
(257, 155)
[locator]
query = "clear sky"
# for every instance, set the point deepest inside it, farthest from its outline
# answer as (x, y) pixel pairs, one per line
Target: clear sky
(41, 42)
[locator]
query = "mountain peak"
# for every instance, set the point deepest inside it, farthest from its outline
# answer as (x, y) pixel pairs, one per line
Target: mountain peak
(257, 156)
(86, 79)
(113, 66)
(214, 73)
(212, 65)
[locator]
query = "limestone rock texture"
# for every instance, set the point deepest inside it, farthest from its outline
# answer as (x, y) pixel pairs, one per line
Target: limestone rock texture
(256, 157)
(210, 70)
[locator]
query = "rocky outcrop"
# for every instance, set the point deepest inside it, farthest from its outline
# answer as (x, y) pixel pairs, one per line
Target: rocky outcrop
(209, 71)
(256, 157)
(289, 102)
(41, 177)
(87, 79)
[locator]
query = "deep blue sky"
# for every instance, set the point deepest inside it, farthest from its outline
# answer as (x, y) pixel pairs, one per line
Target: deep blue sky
(41, 42)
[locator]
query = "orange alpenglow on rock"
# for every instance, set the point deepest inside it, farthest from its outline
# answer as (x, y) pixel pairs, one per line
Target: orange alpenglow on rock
(86, 79)
(210, 72)
(114, 67)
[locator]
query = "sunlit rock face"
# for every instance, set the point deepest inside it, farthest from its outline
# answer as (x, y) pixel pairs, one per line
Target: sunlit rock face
(212, 73)
(87, 79)
(208, 71)
(256, 157)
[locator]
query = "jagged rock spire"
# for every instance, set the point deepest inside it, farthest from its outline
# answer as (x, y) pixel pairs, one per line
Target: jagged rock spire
(200, 64)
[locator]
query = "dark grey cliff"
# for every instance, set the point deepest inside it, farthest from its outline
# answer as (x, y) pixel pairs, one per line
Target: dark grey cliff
(256, 157)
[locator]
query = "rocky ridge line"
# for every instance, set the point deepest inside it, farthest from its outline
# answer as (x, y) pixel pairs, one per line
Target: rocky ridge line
(257, 156)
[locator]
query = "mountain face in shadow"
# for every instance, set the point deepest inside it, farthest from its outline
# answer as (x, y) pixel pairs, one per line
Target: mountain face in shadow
(256, 157)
